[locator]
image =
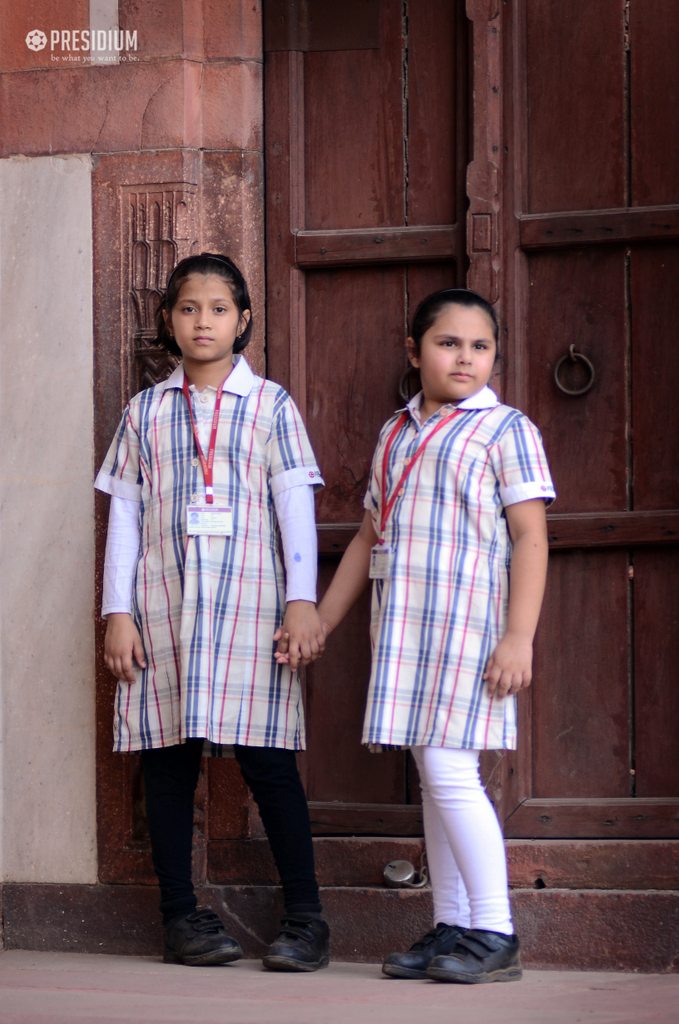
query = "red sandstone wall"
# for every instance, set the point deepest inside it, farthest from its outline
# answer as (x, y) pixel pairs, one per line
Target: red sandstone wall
(190, 96)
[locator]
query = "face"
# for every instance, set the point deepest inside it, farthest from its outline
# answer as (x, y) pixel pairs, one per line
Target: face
(456, 355)
(205, 320)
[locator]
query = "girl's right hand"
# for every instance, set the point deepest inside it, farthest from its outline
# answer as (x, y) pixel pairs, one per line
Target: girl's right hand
(122, 645)
(281, 654)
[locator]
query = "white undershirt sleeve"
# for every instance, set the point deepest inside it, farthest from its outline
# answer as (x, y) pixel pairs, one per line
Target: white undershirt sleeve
(296, 518)
(297, 522)
(122, 551)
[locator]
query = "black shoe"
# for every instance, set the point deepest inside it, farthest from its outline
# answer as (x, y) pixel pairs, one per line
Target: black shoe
(302, 944)
(479, 957)
(199, 939)
(414, 963)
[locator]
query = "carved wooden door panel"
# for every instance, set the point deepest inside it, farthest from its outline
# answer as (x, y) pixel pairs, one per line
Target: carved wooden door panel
(580, 98)
(365, 122)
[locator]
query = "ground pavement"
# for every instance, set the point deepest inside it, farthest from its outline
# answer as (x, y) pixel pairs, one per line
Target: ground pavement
(77, 988)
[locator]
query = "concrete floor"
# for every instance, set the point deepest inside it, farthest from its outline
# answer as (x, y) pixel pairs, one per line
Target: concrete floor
(61, 988)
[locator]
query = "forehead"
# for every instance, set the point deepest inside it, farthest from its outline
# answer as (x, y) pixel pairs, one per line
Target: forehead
(212, 284)
(463, 321)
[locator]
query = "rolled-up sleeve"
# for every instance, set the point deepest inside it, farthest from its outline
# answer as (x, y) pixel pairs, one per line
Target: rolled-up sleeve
(520, 464)
(120, 474)
(293, 462)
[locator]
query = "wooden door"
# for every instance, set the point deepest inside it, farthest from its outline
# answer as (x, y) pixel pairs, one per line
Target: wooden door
(578, 140)
(563, 205)
(366, 152)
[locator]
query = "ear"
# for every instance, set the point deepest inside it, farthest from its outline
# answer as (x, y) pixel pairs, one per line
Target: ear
(244, 319)
(411, 349)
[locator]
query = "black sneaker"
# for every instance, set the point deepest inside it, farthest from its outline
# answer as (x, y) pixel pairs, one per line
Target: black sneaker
(414, 963)
(302, 944)
(199, 939)
(479, 957)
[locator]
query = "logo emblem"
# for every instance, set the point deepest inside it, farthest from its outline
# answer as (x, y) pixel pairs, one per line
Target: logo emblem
(36, 40)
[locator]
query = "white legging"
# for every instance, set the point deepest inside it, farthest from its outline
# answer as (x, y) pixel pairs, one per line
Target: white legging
(465, 849)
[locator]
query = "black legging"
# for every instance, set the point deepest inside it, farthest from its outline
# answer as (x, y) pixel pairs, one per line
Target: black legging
(170, 779)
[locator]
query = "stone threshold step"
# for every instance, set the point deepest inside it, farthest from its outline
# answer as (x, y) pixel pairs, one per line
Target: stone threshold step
(585, 929)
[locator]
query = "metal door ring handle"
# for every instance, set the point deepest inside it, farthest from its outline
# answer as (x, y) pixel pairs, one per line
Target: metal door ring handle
(574, 356)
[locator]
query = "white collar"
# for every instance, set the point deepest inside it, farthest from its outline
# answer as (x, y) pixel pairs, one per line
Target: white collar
(239, 381)
(483, 399)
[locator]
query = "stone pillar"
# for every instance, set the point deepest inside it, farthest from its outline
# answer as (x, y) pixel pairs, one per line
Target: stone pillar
(46, 522)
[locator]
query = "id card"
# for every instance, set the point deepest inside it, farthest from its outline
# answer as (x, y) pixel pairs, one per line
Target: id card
(209, 521)
(381, 557)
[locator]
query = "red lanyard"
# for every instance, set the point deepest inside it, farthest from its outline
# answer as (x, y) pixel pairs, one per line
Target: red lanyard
(208, 463)
(386, 509)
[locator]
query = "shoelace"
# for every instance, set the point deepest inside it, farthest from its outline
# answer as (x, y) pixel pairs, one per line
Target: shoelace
(205, 921)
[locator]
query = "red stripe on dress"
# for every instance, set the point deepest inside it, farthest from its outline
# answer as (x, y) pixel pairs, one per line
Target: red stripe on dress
(300, 450)
(127, 713)
(404, 614)
(538, 454)
(240, 575)
(151, 654)
(454, 526)
(121, 469)
(470, 592)
(210, 662)
(452, 555)
(165, 587)
(253, 679)
(470, 587)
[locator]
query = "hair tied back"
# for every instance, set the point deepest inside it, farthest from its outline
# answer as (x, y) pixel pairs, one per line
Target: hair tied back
(204, 263)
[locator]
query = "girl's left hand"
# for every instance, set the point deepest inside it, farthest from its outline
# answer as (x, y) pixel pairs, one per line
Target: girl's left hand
(510, 666)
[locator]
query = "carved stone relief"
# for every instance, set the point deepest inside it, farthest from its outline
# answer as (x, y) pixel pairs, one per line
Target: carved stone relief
(160, 231)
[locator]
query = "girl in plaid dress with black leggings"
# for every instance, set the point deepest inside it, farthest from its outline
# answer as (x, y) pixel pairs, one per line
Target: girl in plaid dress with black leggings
(202, 469)
(454, 536)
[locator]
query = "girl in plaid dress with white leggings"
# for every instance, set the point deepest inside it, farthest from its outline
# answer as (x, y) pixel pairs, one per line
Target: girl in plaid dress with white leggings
(202, 469)
(454, 536)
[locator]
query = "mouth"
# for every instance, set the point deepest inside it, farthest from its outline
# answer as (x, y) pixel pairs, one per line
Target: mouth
(461, 376)
(202, 337)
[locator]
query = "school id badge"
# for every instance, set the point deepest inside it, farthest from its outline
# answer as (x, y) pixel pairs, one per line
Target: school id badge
(209, 521)
(381, 559)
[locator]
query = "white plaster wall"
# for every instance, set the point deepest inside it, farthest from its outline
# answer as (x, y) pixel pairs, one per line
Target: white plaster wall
(47, 753)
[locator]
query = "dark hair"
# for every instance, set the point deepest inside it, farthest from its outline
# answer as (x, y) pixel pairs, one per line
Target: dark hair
(431, 308)
(426, 315)
(205, 263)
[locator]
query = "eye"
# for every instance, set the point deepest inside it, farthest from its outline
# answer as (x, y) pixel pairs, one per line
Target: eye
(220, 309)
(188, 309)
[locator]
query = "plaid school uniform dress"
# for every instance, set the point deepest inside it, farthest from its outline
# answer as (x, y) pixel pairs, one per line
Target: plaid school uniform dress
(207, 607)
(437, 618)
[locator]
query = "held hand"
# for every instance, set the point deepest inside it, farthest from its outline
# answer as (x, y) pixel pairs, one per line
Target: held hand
(510, 666)
(301, 638)
(122, 645)
(281, 653)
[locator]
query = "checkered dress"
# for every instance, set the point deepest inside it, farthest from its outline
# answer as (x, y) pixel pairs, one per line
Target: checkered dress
(207, 607)
(436, 621)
